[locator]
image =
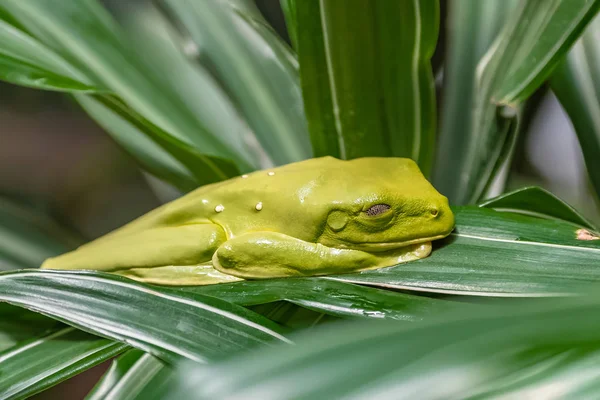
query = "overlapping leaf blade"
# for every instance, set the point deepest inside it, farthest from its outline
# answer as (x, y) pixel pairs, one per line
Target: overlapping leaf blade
(576, 83)
(529, 46)
(266, 89)
(511, 350)
(25, 61)
(190, 106)
(497, 254)
(164, 323)
(538, 202)
(34, 365)
(366, 78)
(27, 238)
(472, 26)
(334, 298)
(129, 376)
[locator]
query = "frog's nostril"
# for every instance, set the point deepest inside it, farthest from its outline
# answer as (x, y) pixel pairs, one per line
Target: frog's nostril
(434, 211)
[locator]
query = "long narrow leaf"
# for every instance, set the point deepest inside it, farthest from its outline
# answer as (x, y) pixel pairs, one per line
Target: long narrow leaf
(327, 296)
(289, 11)
(25, 61)
(508, 352)
(27, 238)
(85, 35)
(538, 34)
(128, 377)
(576, 82)
(537, 202)
(368, 87)
(18, 325)
(266, 88)
(472, 26)
(161, 322)
(32, 366)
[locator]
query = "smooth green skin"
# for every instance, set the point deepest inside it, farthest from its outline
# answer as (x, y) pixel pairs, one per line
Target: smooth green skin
(313, 221)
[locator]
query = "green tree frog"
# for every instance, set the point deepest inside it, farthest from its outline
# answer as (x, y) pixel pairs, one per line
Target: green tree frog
(315, 217)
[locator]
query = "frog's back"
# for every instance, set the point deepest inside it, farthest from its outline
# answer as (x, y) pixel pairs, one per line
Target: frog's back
(273, 199)
(239, 194)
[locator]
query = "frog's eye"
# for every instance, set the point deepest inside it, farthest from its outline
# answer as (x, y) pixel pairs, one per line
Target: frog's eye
(377, 209)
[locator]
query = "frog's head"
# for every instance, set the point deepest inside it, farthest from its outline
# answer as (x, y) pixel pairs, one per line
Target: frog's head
(379, 204)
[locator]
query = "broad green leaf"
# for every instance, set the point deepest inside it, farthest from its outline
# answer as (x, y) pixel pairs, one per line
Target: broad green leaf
(160, 321)
(366, 77)
(34, 365)
(84, 34)
(327, 296)
(255, 67)
(471, 27)
(128, 377)
(497, 254)
(27, 238)
(291, 20)
(576, 83)
(529, 46)
(519, 350)
(537, 202)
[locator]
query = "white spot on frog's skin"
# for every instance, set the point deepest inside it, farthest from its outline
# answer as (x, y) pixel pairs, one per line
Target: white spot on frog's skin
(204, 201)
(258, 206)
(270, 173)
(244, 176)
(219, 208)
(584, 234)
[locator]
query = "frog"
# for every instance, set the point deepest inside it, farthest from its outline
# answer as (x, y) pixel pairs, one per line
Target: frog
(321, 216)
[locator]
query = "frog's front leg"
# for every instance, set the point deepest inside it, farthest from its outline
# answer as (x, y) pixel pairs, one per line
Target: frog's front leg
(271, 255)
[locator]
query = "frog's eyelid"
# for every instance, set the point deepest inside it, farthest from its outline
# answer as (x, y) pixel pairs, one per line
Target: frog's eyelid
(377, 209)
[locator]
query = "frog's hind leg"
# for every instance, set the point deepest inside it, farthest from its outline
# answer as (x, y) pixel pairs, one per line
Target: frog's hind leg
(179, 275)
(187, 245)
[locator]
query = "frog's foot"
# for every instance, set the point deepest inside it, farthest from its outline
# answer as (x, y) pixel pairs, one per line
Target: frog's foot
(178, 275)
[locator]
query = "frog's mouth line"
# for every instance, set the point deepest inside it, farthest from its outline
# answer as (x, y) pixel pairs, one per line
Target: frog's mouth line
(385, 246)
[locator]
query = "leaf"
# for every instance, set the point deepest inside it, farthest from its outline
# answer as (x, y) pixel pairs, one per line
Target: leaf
(576, 83)
(551, 28)
(18, 325)
(164, 155)
(25, 61)
(134, 136)
(519, 350)
(156, 320)
(529, 46)
(327, 296)
(291, 20)
(366, 77)
(129, 375)
(256, 69)
(37, 364)
(291, 316)
(537, 202)
(28, 238)
(83, 33)
(472, 26)
(497, 254)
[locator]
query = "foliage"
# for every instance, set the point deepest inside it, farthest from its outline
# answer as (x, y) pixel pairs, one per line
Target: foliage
(198, 91)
